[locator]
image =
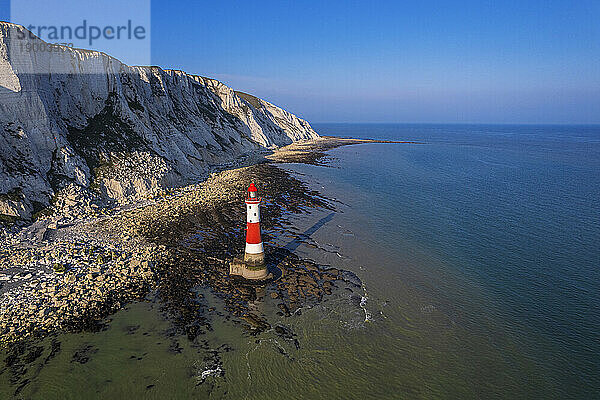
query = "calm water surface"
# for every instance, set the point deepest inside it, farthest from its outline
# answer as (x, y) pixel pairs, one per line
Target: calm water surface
(479, 256)
(511, 215)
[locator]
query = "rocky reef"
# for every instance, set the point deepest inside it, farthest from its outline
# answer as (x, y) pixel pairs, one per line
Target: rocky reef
(56, 277)
(124, 133)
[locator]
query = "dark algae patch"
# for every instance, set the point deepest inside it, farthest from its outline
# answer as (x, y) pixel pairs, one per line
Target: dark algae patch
(201, 232)
(24, 361)
(83, 354)
(205, 263)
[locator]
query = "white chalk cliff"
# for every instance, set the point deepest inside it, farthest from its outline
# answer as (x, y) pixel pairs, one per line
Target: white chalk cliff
(79, 117)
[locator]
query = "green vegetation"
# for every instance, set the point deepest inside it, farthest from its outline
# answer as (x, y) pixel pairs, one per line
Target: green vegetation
(102, 170)
(45, 212)
(106, 132)
(14, 195)
(59, 268)
(254, 101)
(8, 219)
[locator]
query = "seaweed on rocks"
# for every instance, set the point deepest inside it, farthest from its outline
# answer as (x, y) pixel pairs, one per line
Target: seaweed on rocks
(175, 245)
(84, 354)
(205, 262)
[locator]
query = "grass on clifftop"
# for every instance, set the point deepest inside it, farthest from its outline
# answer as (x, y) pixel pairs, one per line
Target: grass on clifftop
(254, 101)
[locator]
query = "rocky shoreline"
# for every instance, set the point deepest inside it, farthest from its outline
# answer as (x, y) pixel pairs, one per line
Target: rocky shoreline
(72, 275)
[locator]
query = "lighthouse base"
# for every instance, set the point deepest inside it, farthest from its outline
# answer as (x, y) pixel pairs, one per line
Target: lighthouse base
(251, 267)
(255, 261)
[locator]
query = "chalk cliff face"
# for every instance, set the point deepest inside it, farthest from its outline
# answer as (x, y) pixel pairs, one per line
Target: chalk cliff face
(82, 118)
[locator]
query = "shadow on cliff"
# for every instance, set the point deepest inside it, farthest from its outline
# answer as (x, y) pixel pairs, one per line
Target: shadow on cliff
(194, 134)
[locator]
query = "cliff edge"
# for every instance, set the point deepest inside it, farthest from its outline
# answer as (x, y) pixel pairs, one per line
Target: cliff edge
(81, 121)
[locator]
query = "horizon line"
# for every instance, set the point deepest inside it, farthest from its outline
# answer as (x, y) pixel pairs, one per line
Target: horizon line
(460, 123)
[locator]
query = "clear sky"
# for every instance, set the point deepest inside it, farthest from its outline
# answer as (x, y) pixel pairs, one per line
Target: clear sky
(395, 61)
(534, 61)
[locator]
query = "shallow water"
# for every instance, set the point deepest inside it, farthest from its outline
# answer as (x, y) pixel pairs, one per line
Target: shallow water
(478, 256)
(498, 225)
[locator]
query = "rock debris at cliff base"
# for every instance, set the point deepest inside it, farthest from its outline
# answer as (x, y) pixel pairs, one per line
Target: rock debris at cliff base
(81, 117)
(89, 268)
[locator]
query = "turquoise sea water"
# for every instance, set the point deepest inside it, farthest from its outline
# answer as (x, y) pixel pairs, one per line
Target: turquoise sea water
(511, 216)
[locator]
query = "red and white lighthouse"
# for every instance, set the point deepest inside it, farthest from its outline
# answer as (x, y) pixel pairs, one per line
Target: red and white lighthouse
(254, 255)
(253, 265)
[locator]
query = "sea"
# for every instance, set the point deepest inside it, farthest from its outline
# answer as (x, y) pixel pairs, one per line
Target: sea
(478, 249)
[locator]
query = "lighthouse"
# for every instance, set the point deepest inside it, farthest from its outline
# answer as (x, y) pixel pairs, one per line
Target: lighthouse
(254, 255)
(252, 266)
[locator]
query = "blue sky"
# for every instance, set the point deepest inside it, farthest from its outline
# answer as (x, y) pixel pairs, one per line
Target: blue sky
(392, 61)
